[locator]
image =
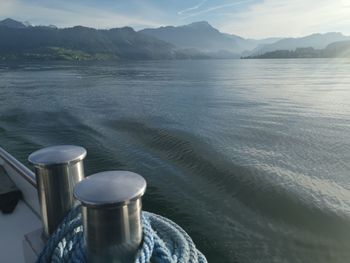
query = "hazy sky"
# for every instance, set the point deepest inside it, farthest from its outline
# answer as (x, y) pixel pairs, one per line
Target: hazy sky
(254, 18)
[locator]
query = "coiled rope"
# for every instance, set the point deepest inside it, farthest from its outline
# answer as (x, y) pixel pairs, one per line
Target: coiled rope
(163, 242)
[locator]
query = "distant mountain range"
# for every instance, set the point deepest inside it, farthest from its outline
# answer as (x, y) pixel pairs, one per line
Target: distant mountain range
(316, 41)
(198, 40)
(339, 49)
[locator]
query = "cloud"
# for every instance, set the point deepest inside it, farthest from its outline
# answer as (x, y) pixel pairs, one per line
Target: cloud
(190, 9)
(289, 18)
(65, 14)
(213, 8)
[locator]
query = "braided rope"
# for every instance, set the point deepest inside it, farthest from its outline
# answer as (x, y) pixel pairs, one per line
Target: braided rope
(163, 242)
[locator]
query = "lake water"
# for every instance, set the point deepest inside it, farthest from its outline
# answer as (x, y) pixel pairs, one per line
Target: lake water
(250, 157)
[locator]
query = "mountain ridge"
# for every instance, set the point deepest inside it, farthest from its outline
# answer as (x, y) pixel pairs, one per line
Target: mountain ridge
(316, 41)
(11, 23)
(202, 36)
(80, 43)
(196, 40)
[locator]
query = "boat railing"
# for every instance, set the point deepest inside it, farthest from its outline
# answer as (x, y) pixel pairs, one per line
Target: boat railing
(23, 178)
(20, 168)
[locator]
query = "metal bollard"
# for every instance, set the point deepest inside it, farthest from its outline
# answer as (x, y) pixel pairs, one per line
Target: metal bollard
(57, 170)
(111, 207)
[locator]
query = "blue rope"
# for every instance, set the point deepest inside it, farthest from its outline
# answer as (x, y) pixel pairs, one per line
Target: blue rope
(163, 242)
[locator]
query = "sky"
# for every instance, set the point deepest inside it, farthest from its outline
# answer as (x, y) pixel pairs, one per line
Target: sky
(246, 18)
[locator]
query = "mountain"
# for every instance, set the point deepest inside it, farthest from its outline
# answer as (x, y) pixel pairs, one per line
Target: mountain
(254, 44)
(8, 22)
(199, 35)
(316, 41)
(207, 39)
(80, 43)
(339, 49)
(246, 45)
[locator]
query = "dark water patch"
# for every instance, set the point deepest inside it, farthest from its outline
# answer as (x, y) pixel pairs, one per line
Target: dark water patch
(45, 128)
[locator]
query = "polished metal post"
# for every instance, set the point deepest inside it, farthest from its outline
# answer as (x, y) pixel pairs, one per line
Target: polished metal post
(111, 207)
(57, 170)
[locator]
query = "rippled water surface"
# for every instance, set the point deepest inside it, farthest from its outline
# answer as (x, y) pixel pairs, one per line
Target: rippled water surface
(250, 157)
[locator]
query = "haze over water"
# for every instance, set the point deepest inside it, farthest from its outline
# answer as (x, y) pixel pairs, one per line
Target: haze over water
(250, 157)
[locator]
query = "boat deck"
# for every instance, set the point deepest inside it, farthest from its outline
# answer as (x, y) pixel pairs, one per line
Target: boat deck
(13, 227)
(24, 219)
